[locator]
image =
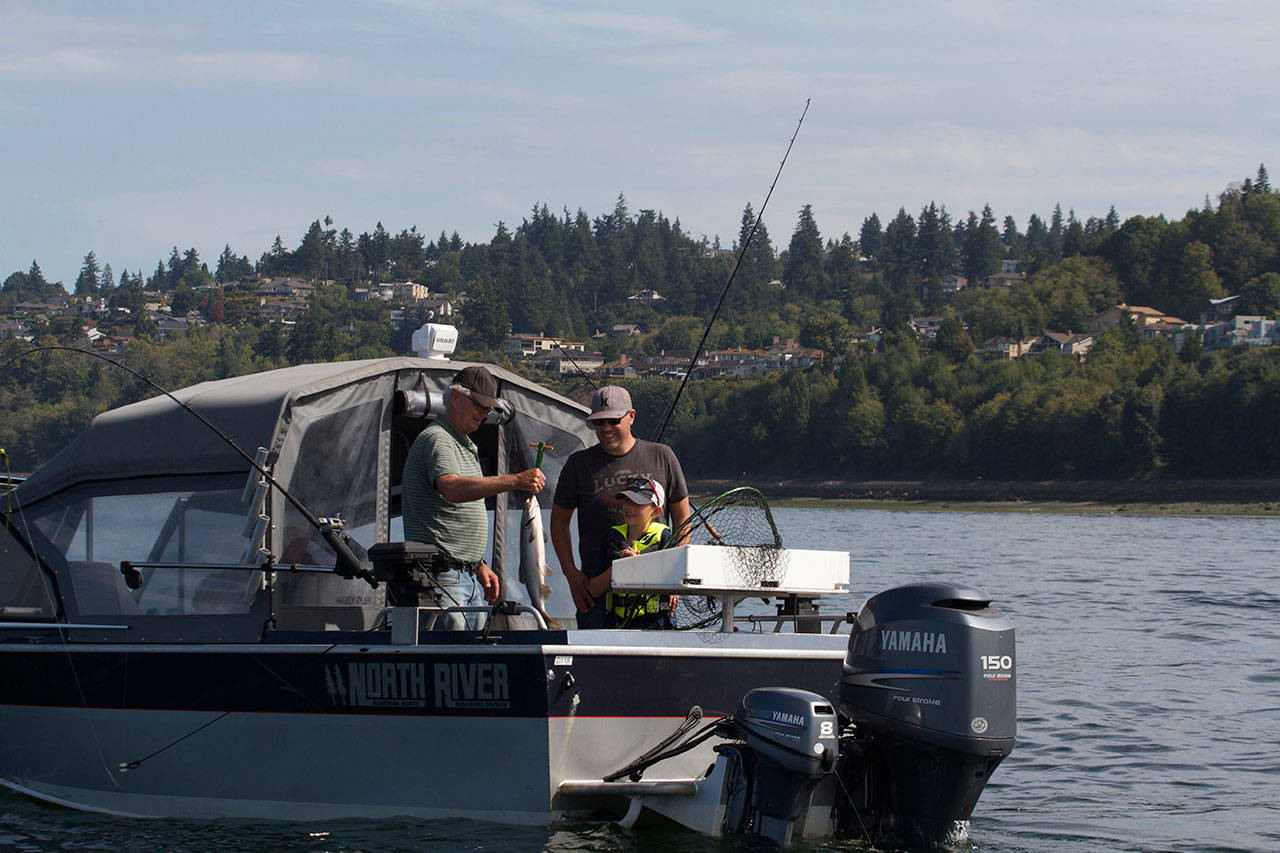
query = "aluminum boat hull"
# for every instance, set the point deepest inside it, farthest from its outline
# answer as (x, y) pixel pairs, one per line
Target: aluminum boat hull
(304, 730)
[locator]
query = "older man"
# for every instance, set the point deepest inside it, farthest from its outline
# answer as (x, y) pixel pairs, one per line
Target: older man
(592, 478)
(444, 492)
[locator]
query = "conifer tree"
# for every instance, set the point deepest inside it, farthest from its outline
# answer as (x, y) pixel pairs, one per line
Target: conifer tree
(87, 283)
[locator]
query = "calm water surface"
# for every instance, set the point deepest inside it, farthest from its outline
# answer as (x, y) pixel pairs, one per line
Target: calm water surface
(1148, 703)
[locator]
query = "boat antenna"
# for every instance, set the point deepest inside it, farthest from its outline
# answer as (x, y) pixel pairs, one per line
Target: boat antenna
(348, 565)
(742, 251)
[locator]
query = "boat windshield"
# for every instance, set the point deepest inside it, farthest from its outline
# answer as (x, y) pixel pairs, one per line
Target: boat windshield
(93, 533)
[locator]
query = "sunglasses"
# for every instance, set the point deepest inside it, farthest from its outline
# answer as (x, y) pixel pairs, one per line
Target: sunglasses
(609, 421)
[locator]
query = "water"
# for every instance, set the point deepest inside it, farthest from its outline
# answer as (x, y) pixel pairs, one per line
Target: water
(1148, 695)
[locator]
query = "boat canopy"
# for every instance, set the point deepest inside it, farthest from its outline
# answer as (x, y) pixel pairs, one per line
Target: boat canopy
(151, 484)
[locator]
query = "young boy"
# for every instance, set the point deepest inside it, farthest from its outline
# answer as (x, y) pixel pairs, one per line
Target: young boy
(641, 501)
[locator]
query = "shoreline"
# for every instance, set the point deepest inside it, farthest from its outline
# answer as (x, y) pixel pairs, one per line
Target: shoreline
(1135, 497)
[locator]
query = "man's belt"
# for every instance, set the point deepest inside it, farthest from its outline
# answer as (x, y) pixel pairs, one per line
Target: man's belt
(445, 563)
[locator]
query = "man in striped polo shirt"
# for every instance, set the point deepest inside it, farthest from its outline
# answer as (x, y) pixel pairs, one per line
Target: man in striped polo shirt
(444, 489)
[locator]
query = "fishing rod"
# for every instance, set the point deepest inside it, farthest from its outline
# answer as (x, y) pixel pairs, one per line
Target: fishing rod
(347, 565)
(742, 251)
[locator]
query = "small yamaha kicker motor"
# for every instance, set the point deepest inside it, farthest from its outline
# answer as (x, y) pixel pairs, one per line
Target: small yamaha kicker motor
(926, 712)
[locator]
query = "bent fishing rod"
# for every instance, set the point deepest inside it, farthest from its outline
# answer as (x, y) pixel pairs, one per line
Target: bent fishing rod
(347, 565)
(742, 252)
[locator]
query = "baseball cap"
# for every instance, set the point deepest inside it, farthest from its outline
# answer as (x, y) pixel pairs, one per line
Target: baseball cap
(611, 401)
(477, 383)
(644, 491)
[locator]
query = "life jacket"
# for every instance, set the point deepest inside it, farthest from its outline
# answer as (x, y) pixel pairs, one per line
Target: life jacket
(626, 606)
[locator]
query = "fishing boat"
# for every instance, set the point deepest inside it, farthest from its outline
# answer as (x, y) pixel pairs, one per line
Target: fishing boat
(207, 611)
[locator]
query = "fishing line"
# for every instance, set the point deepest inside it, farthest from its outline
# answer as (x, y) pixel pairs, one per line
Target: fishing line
(52, 593)
(581, 372)
(742, 252)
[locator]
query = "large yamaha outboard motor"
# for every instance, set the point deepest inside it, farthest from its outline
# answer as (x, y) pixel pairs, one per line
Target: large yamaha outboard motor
(928, 684)
(786, 743)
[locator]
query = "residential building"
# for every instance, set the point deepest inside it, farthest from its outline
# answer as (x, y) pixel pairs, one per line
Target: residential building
(568, 363)
(1240, 330)
(1005, 280)
(1140, 315)
(525, 345)
(646, 297)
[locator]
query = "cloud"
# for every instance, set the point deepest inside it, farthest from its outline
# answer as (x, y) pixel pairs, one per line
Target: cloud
(101, 51)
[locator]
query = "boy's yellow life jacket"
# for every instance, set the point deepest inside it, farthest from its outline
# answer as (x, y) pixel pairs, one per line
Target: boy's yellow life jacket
(627, 606)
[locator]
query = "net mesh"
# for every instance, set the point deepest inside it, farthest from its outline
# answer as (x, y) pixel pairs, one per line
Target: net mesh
(739, 520)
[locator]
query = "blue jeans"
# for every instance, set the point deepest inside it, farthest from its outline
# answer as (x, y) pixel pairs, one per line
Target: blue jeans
(458, 588)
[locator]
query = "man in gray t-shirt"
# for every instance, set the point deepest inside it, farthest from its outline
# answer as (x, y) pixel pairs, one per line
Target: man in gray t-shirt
(592, 478)
(444, 489)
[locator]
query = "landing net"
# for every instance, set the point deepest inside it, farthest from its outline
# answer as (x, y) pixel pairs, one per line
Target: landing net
(740, 521)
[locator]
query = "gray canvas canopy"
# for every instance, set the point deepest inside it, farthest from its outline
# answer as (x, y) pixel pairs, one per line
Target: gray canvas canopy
(156, 436)
(151, 483)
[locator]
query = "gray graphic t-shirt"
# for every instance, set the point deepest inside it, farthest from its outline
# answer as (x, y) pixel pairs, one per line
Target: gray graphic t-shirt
(591, 478)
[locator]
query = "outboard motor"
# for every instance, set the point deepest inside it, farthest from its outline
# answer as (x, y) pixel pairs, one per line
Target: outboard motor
(929, 687)
(786, 743)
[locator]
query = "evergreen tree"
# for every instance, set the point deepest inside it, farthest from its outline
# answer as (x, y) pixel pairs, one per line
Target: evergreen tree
(982, 250)
(870, 237)
(36, 285)
(935, 245)
(88, 283)
(1056, 234)
(803, 274)
(108, 280)
(898, 252)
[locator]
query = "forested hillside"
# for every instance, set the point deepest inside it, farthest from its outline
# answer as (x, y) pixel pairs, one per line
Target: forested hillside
(884, 404)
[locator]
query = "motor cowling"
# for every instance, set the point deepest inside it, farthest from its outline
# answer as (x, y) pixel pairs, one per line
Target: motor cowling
(929, 684)
(790, 742)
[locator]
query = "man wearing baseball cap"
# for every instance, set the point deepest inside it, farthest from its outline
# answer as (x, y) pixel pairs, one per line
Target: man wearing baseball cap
(592, 479)
(444, 489)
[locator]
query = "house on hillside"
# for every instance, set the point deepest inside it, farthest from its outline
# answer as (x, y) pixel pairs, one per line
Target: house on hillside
(564, 363)
(953, 283)
(646, 297)
(790, 354)
(926, 327)
(1005, 280)
(1063, 342)
(1140, 315)
(1241, 330)
(623, 368)
(1220, 310)
(1001, 347)
(525, 345)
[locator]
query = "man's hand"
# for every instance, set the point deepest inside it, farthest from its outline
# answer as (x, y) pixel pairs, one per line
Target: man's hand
(489, 581)
(531, 480)
(578, 588)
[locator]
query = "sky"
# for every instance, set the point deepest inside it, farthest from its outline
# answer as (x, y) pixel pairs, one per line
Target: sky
(129, 128)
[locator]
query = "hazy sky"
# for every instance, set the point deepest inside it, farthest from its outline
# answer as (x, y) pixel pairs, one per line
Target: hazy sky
(131, 127)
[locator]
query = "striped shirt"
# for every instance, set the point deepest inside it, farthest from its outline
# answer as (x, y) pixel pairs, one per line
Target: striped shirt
(461, 530)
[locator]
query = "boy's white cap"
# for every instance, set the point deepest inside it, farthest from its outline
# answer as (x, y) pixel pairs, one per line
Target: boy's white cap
(645, 491)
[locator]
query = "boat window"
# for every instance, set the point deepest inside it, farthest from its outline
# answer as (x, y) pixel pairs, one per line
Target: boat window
(25, 591)
(97, 532)
(336, 475)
